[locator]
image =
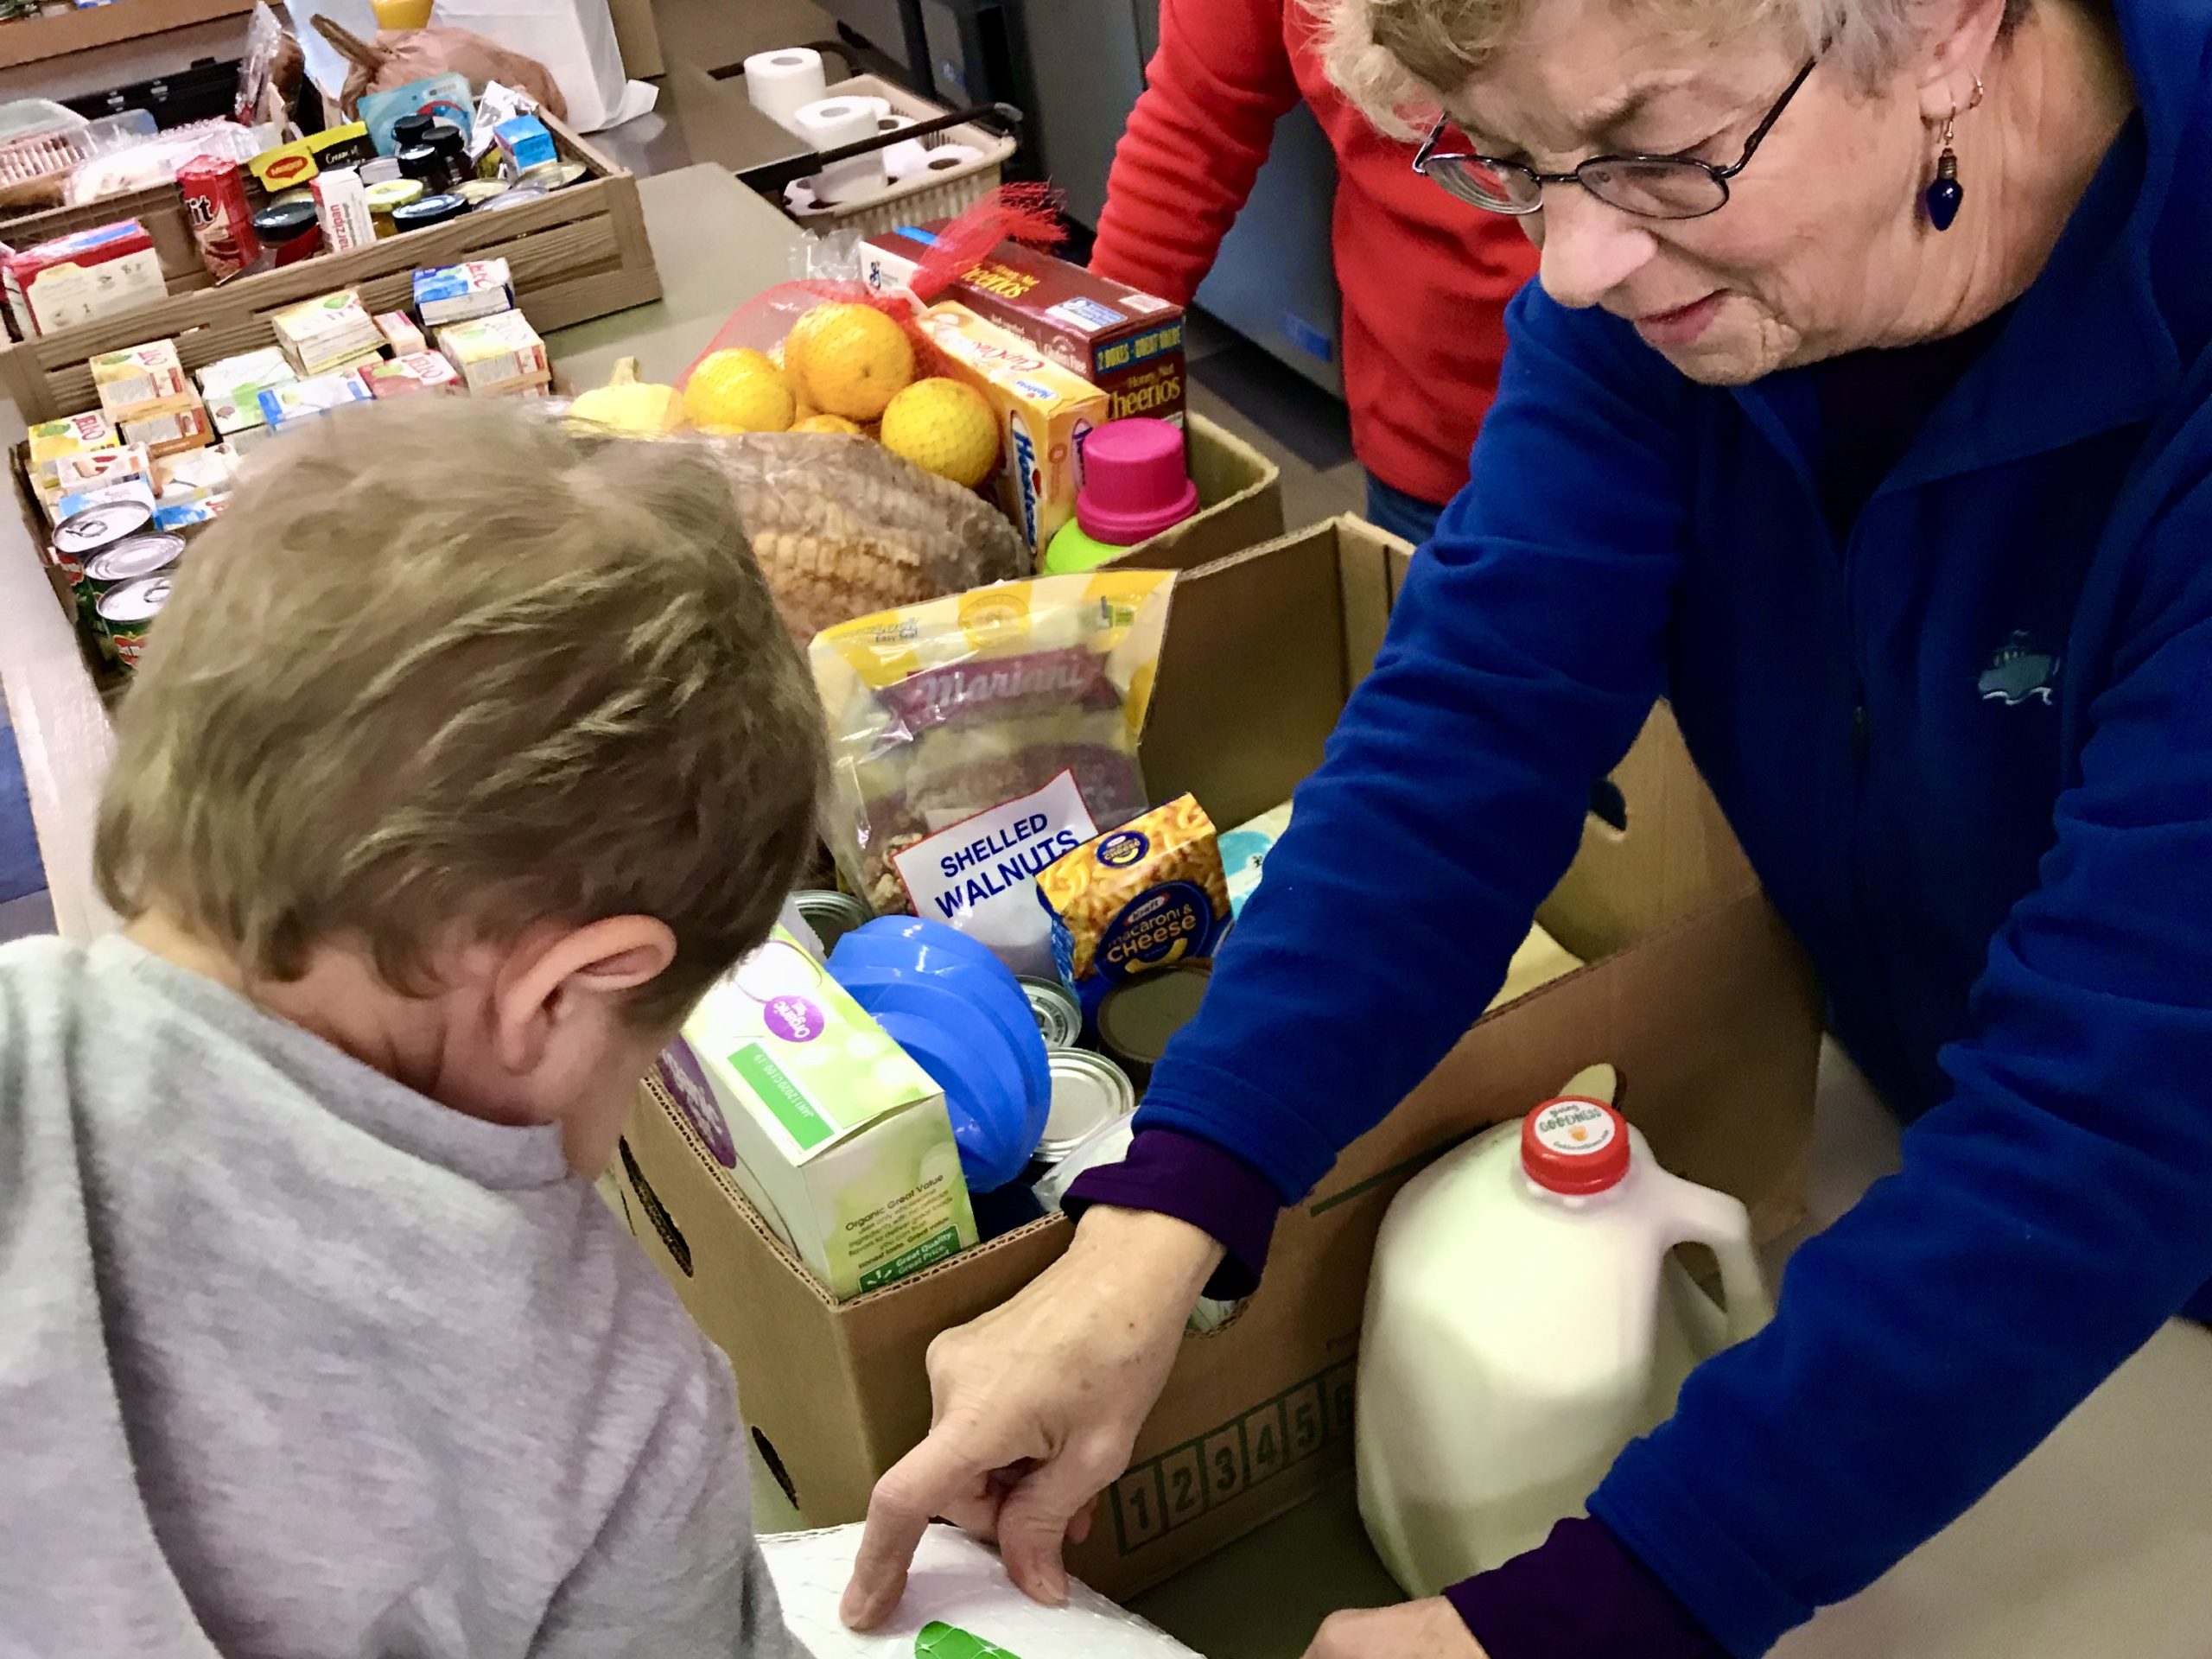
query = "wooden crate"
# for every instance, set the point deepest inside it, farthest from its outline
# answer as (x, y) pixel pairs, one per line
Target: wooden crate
(577, 254)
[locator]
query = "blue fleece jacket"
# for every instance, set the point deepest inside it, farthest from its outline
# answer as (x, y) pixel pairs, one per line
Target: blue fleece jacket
(1969, 750)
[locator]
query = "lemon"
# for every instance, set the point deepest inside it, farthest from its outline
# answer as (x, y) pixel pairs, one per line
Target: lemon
(944, 426)
(849, 359)
(738, 391)
(828, 423)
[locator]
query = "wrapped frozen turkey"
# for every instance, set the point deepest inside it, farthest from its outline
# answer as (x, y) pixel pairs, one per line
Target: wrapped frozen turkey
(844, 527)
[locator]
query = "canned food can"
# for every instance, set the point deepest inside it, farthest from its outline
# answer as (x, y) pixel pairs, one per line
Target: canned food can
(549, 176)
(831, 914)
(214, 203)
(477, 192)
(1089, 1092)
(132, 559)
(1140, 1016)
(92, 532)
(1058, 1016)
(127, 612)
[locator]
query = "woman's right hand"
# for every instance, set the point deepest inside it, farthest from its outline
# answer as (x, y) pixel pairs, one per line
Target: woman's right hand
(1036, 1406)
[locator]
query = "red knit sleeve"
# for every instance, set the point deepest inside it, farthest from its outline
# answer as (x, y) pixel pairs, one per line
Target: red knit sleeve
(1220, 80)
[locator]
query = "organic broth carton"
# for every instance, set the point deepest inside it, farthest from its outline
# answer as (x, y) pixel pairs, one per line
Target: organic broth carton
(829, 1129)
(1044, 412)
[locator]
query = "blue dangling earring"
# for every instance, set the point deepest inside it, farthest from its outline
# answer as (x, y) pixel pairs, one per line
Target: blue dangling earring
(1945, 196)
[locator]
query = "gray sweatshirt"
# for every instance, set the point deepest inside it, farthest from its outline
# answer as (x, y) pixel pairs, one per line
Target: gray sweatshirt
(297, 1362)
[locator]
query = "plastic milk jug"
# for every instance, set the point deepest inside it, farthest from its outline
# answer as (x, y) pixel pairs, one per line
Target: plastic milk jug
(1524, 1322)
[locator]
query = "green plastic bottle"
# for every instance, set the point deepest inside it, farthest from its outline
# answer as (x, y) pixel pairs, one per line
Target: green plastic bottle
(950, 1641)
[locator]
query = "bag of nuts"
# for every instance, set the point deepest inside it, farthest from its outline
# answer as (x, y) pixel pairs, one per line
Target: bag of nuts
(976, 739)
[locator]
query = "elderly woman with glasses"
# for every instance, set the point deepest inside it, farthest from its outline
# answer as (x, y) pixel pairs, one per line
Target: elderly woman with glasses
(1864, 411)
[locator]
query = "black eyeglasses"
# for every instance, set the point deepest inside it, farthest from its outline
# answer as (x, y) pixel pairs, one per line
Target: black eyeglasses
(1652, 186)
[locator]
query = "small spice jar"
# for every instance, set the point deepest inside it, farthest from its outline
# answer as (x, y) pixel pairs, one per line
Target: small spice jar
(426, 210)
(289, 231)
(386, 199)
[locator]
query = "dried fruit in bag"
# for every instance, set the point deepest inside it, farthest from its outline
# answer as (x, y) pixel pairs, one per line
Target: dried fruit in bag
(978, 738)
(842, 527)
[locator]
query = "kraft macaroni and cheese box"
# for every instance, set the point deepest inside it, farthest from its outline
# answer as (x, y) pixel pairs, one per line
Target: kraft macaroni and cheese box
(1045, 412)
(829, 1129)
(1124, 341)
(1139, 898)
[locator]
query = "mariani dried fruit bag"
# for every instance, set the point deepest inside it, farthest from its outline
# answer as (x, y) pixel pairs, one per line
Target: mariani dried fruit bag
(977, 738)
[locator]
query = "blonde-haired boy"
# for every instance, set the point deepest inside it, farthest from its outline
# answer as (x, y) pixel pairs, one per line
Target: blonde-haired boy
(466, 755)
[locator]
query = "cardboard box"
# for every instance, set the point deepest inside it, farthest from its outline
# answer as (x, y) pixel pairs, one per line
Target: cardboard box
(173, 433)
(341, 207)
(833, 1134)
(449, 294)
(400, 333)
(303, 400)
(500, 353)
(83, 277)
(289, 166)
(1240, 503)
(1694, 991)
(1124, 341)
(233, 386)
(334, 331)
(416, 371)
(140, 382)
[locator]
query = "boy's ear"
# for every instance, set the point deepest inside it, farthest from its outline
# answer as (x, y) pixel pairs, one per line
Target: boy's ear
(607, 957)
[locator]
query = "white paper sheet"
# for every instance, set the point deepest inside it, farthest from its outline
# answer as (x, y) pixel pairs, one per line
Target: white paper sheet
(958, 1581)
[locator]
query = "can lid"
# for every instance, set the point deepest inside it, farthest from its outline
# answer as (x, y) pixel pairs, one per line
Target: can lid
(100, 526)
(1089, 1092)
(134, 556)
(429, 210)
(393, 192)
(1140, 1014)
(281, 221)
(1574, 1145)
(134, 601)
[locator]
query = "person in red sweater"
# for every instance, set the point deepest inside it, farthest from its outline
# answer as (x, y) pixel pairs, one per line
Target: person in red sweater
(1425, 284)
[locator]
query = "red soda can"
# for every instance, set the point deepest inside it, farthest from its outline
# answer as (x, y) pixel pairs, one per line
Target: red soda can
(214, 202)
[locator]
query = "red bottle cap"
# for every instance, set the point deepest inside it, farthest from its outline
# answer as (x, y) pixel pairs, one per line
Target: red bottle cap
(1575, 1146)
(1135, 483)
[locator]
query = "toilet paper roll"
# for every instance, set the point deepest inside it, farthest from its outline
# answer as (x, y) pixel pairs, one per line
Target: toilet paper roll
(780, 83)
(946, 158)
(830, 123)
(894, 122)
(903, 160)
(878, 107)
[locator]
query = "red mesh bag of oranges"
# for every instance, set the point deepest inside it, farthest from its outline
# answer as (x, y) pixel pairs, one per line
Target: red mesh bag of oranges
(840, 357)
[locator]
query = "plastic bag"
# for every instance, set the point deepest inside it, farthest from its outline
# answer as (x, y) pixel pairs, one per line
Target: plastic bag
(976, 738)
(830, 267)
(574, 40)
(842, 527)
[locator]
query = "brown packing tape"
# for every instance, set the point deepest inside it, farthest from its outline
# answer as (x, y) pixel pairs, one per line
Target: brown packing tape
(1707, 1008)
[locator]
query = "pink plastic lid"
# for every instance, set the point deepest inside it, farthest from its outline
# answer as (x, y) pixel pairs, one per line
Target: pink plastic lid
(1135, 483)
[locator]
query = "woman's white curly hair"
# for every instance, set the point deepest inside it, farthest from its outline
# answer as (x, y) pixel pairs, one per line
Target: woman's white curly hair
(1397, 59)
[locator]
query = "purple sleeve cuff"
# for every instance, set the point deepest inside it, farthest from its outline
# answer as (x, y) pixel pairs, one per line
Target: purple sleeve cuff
(1179, 1175)
(1581, 1594)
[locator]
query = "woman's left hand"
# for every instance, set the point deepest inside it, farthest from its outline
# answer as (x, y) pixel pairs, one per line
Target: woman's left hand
(1419, 1630)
